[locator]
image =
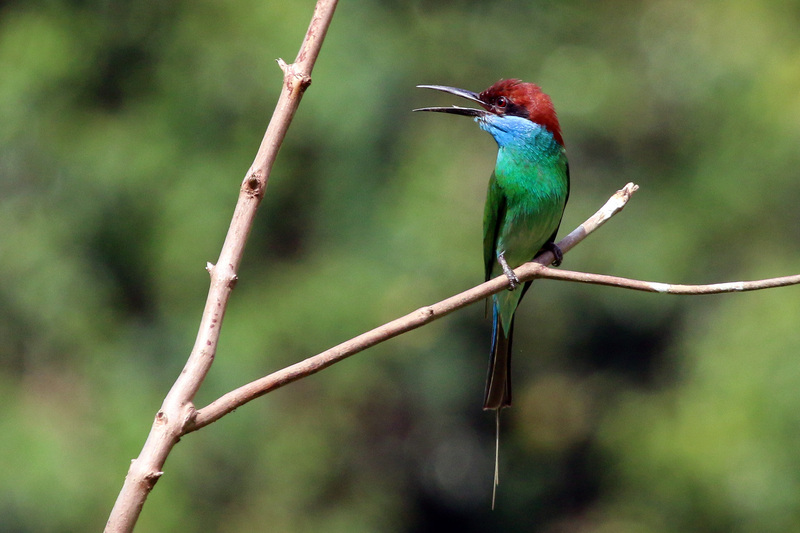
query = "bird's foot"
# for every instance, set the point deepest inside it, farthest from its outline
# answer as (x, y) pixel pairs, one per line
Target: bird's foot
(559, 255)
(513, 280)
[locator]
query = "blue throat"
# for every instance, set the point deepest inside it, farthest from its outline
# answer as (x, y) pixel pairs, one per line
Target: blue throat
(517, 133)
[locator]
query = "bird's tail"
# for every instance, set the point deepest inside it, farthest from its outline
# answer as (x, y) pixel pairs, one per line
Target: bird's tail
(498, 380)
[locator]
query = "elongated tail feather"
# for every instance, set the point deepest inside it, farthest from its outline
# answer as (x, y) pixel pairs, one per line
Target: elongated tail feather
(498, 380)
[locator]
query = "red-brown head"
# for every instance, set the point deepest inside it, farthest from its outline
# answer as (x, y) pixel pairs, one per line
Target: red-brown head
(506, 98)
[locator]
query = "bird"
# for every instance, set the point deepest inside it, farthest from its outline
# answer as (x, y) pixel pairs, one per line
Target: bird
(525, 202)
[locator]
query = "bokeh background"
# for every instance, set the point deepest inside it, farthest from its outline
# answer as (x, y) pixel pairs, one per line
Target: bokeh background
(125, 130)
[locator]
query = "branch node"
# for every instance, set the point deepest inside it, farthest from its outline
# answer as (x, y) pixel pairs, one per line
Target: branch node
(188, 419)
(210, 267)
(426, 313)
(152, 477)
(253, 185)
(295, 81)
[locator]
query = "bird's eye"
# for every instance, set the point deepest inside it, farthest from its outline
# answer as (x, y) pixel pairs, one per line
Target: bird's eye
(501, 102)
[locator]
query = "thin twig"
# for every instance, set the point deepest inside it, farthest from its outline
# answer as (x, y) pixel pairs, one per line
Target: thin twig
(665, 288)
(178, 411)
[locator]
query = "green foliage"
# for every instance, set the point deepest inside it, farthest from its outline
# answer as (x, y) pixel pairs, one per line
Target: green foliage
(125, 129)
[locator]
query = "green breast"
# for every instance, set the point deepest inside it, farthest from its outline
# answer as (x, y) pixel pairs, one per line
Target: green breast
(535, 189)
(527, 195)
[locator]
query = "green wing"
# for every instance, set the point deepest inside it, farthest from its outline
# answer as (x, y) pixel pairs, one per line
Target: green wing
(493, 215)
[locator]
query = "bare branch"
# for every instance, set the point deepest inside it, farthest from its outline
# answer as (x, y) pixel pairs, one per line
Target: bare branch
(535, 269)
(420, 317)
(665, 288)
(178, 411)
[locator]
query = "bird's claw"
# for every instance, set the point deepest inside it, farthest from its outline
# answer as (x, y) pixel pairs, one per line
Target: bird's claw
(559, 255)
(513, 280)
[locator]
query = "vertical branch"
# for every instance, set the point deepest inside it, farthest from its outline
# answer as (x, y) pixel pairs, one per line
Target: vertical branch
(178, 410)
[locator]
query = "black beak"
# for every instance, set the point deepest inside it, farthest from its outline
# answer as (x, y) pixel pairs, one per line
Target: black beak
(463, 93)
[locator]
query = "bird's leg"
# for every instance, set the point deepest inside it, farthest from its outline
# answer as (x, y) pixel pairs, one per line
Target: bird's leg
(553, 247)
(513, 281)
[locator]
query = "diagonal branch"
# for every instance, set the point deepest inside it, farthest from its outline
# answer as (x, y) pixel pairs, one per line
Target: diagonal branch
(529, 271)
(420, 317)
(177, 411)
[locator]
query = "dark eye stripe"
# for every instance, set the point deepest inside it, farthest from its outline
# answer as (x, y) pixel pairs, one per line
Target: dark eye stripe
(516, 110)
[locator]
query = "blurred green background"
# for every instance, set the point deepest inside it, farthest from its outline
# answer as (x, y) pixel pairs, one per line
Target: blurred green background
(125, 131)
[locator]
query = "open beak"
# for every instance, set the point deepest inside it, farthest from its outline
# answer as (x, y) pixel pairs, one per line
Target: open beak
(463, 93)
